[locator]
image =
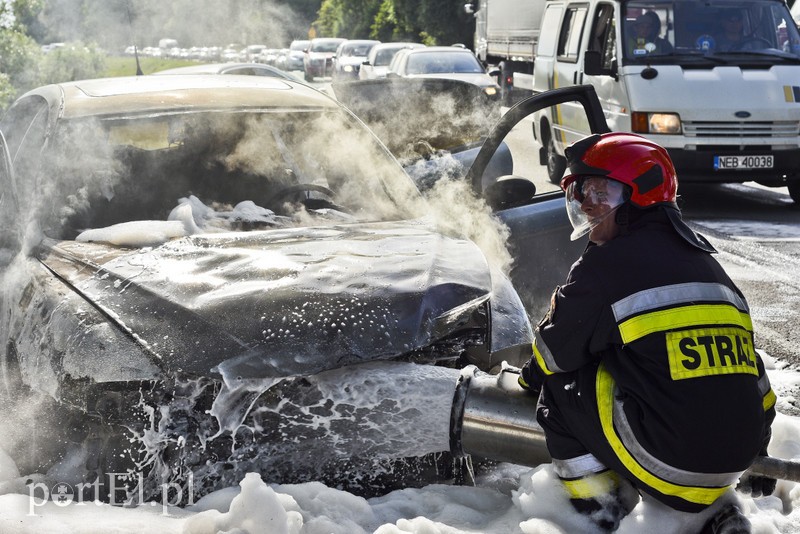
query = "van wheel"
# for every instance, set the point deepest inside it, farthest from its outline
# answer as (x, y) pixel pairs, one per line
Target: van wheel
(556, 163)
(794, 191)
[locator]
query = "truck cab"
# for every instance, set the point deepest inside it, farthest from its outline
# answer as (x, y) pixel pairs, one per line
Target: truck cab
(717, 83)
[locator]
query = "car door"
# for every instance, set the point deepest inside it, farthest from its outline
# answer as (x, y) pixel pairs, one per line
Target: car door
(24, 129)
(9, 207)
(569, 123)
(503, 166)
(539, 238)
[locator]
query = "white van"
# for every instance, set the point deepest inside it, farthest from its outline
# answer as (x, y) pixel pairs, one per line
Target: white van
(717, 83)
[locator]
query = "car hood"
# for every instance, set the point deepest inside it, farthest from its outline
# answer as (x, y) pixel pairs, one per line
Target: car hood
(282, 302)
(351, 60)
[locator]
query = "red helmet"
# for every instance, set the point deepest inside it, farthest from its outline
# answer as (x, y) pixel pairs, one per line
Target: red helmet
(631, 159)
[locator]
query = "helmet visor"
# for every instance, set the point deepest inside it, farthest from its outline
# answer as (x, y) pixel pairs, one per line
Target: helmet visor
(590, 200)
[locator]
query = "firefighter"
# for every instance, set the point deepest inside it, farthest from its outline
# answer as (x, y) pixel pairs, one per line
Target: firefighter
(645, 360)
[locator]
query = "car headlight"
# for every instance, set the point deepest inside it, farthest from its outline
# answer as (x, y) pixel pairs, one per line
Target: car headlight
(348, 68)
(490, 91)
(655, 123)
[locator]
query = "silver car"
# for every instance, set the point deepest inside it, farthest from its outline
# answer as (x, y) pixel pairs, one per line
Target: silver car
(183, 255)
(444, 62)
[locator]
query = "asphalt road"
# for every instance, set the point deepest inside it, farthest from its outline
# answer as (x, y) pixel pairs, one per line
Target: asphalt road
(757, 233)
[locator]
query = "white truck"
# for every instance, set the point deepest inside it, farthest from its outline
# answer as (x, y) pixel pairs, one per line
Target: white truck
(506, 32)
(717, 83)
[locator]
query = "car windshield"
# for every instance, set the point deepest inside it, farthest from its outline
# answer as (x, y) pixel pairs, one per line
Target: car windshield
(245, 170)
(298, 45)
(356, 50)
(436, 62)
(325, 46)
(384, 56)
(681, 30)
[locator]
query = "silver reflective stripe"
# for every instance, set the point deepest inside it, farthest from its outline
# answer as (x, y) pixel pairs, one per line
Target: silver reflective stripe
(763, 384)
(578, 467)
(660, 469)
(544, 351)
(665, 296)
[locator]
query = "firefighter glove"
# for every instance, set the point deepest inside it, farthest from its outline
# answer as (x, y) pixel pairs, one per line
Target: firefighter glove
(529, 379)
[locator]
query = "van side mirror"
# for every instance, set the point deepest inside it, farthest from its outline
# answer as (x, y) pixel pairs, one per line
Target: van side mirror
(593, 66)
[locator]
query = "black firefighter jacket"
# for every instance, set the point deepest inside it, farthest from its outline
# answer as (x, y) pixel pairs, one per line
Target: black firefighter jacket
(674, 339)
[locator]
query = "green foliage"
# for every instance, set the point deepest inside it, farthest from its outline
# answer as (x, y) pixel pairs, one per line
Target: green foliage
(73, 61)
(19, 63)
(428, 21)
(114, 24)
(126, 66)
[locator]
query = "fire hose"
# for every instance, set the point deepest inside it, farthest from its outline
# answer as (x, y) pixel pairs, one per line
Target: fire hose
(494, 418)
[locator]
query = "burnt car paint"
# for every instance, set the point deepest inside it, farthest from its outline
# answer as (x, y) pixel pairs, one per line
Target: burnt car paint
(107, 331)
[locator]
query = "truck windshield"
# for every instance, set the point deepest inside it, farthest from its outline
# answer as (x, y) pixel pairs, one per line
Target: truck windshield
(655, 31)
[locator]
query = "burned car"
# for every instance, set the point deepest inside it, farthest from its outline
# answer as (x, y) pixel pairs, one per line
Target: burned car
(183, 252)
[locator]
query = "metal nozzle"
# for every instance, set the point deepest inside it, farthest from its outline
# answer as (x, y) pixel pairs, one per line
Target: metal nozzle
(493, 417)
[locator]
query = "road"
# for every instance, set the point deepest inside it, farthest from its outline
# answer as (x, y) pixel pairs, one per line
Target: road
(757, 233)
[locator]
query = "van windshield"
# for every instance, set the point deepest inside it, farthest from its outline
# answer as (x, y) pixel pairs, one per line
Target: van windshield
(723, 31)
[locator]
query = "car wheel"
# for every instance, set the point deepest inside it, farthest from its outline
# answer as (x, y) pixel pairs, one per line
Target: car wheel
(556, 163)
(794, 191)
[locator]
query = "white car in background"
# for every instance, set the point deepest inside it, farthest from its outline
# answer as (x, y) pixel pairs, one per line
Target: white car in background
(349, 57)
(377, 62)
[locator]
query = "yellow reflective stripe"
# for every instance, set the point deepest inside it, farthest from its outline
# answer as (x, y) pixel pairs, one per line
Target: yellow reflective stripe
(683, 317)
(605, 402)
(540, 361)
(769, 400)
(591, 486)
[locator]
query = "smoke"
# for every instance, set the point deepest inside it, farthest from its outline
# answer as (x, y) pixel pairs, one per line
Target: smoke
(460, 212)
(115, 24)
(137, 170)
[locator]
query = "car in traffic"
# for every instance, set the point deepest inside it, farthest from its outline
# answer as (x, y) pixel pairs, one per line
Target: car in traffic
(444, 62)
(377, 62)
(243, 69)
(251, 52)
(185, 255)
(349, 57)
(318, 57)
(294, 58)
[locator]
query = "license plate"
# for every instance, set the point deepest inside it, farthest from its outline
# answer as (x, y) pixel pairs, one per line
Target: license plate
(742, 162)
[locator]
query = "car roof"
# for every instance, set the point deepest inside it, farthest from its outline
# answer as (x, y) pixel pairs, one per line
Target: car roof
(222, 68)
(401, 44)
(180, 93)
(445, 49)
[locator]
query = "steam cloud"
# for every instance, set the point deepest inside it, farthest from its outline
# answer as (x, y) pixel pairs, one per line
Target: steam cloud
(115, 24)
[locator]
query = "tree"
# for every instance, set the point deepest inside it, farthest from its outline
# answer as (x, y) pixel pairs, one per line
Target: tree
(441, 22)
(19, 53)
(351, 19)
(428, 21)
